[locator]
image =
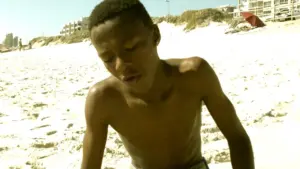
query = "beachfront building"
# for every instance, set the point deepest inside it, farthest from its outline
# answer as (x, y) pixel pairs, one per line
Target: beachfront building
(9, 40)
(227, 8)
(268, 8)
(16, 41)
(74, 26)
(243, 5)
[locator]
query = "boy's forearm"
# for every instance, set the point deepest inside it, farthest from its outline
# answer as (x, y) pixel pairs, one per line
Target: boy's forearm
(92, 155)
(241, 154)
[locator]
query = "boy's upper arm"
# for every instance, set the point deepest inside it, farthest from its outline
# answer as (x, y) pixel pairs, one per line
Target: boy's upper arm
(95, 108)
(219, 106)
(96, 129)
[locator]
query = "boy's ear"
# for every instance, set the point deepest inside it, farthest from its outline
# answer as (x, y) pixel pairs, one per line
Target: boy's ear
(156, 35)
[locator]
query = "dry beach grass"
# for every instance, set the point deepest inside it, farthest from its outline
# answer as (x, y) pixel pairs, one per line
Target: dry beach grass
(191, 18)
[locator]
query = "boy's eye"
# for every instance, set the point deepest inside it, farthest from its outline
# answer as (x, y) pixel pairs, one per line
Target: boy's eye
(130, 49)
(109, 59)
(137, 45)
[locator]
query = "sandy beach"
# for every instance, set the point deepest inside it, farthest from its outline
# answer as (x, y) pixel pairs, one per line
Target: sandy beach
(43, 90)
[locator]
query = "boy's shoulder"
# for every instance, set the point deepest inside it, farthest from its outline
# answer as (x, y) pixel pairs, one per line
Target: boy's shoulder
(187, 65)
(191, 68)
(192, 73)
(101, 99)
(104, 93)
(105, 88)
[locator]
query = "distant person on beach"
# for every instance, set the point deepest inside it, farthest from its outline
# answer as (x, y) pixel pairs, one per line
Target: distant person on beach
(29, 45)
(153, 104)
(20, 45)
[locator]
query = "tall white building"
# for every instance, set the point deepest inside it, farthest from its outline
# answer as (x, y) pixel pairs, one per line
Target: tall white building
(265, 8)
(71, 27)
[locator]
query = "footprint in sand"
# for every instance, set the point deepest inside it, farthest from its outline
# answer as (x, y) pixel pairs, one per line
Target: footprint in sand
(44, 145)
(51, 132)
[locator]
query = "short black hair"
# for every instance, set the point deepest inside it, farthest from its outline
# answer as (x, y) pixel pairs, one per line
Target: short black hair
(109, 9)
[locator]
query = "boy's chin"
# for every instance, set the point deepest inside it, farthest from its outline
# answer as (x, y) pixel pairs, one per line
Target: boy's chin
(139, 87)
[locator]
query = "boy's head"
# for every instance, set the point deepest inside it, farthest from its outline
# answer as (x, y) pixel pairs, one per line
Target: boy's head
(126, 39)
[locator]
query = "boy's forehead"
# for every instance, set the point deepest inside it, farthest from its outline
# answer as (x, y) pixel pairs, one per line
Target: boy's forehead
(118, 29)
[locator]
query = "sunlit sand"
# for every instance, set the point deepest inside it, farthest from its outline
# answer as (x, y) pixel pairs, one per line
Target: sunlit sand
(42, 94)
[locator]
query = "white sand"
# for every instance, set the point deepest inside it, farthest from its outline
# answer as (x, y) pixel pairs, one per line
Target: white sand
(42, 93)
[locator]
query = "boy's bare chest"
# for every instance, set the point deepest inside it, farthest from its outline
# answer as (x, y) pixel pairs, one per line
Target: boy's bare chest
(160, 123)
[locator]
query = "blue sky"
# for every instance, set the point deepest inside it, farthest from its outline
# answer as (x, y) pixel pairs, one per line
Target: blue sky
(31, 18)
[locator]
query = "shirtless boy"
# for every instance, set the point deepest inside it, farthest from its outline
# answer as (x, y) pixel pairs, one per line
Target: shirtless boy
(153, 104)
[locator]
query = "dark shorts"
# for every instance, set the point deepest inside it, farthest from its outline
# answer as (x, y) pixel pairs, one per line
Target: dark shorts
(201, 165)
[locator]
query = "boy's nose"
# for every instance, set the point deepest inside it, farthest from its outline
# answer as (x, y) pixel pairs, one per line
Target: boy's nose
(121, 65)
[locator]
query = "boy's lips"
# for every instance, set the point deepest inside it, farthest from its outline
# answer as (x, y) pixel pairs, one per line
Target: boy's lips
(131, 78)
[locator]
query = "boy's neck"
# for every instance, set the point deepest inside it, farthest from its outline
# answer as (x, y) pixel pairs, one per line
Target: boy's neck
(161, 87)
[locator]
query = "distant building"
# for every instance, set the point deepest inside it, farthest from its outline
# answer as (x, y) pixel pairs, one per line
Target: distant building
(75, 26)
(15, 41)
(227, 8)
(268, 8)
(8, 42)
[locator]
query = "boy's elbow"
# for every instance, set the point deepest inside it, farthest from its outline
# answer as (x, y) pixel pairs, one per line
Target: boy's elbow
(241, 140)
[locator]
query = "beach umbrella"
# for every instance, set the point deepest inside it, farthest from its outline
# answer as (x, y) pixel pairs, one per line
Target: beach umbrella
(252, 19)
